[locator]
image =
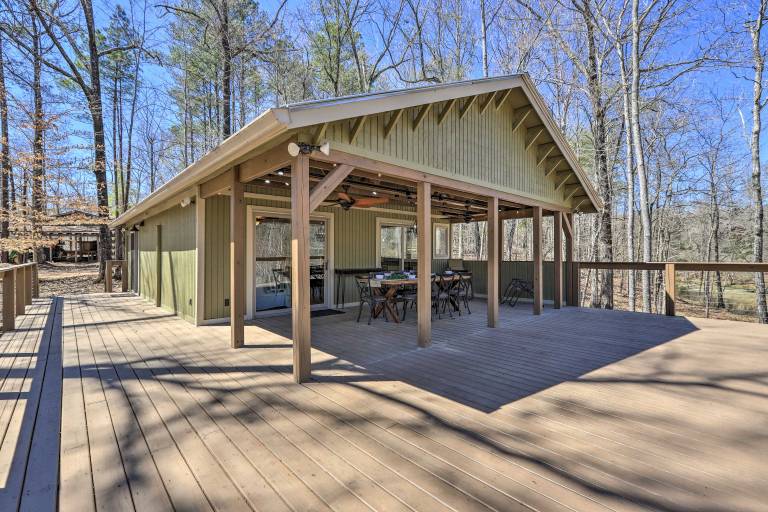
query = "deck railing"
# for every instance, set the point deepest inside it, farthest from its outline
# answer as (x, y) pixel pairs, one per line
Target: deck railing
(123, 275)
(20, 286)
(667, 271)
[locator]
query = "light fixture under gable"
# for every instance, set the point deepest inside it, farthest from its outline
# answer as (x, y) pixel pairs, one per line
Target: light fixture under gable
(294, 149)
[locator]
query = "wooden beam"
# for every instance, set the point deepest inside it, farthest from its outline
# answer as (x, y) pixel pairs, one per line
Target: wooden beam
(538, 265)
(36, 282)
(521, 114)
(544, 150)
(424, 263)
(502, 98)
(532, 134)
(216, 185)
(579, 200)
(446, 110)
(9, 300)
(393, 120)
(489, 99)
(467, 105)
(265, 163)
(236, 263)
(124, 276)
(421, 115)
(158, 265)
(300, 299)
(492, 227)
(328, 184)
(319, 133)
(357, 128)
(670, 292)
(552, 165)
(558, 256)
(567, 224)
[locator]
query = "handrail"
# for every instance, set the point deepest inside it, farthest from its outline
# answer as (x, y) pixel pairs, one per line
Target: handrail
(670, 269)
(20, 286)
(123, 275)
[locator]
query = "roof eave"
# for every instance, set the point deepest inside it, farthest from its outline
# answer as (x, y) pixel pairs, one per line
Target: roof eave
(264, 128)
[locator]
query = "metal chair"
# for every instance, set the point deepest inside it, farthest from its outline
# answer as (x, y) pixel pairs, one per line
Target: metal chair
(365, 286)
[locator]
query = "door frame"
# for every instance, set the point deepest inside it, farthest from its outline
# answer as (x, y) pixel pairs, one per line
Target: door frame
(253, 210)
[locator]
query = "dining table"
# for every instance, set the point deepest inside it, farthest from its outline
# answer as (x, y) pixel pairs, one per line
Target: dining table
(388, 288)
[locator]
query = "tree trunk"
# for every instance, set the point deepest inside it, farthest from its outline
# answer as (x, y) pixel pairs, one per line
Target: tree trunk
(38, 156)
(599, 112)
(757, 191)
(642, 174)
(99, 154)
(226, 74)
(630, 178)
(484, 35)
(5, 156)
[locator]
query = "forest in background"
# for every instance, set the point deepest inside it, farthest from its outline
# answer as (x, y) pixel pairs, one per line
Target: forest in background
(101, 103)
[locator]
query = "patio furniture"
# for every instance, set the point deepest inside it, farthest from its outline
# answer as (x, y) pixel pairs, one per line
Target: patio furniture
(460, 292)
(515, 289)
(441, 294)
(341, 273)
(369, 290)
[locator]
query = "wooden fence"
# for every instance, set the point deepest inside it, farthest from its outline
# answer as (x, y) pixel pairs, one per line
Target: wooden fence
(20, 286)
(670, 270)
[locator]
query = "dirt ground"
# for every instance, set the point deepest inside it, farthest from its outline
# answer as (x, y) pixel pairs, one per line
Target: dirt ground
(63, 278)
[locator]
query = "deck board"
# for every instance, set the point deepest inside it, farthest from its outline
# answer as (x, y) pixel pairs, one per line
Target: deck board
(577, 409)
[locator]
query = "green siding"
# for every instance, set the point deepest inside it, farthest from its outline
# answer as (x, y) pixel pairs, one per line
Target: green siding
(178, 260)
(480, 149)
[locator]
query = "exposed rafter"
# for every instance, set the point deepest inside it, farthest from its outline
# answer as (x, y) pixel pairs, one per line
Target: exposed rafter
(319, 133)
(446, 110)
(532, 134)
(567, 176)
(502, 98)
(327, 185)
(521, 114)
(467, 105)
(357, 127)
(488, 100)
(393, 120)
(571, 189)
(578, 201)
(552, 165)
(544, 150)
(421, 115)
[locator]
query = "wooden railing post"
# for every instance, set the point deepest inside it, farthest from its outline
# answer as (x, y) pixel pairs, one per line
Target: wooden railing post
(9, 300)
(124, 275)
(108, 276)
(28, 285)
(20, 300)
(35, 281)
(669, 289)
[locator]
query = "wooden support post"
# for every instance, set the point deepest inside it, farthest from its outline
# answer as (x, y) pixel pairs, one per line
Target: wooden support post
(570, 297)
(21, 302)
(576, 283)
(236, 260)
(159, 265)
(424, 263)
(493, 261)
(669, 289)
(558, 273)
(124, 275)
(9, 300)
(200, 258)
(300, 300)
(28, 285)
(108, 276)
(538, 288)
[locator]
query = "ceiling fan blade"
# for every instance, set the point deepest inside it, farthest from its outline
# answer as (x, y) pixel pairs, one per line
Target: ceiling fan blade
(344, 197)
(365, 202)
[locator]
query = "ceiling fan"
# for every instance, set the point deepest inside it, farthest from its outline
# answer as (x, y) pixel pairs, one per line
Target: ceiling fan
(346, 201)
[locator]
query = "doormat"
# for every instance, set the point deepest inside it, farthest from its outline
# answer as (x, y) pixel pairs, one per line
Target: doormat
(326, 312)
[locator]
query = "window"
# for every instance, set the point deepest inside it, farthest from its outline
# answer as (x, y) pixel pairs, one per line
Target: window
(396, 244)
(468, 241)
(442, 242)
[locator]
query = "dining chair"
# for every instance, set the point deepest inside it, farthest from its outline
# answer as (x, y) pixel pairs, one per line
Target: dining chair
(365, 286)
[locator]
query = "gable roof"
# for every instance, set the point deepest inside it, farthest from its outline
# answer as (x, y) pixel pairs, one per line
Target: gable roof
(277, 121)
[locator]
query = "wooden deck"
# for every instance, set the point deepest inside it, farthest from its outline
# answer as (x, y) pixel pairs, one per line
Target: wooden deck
(574, 410)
